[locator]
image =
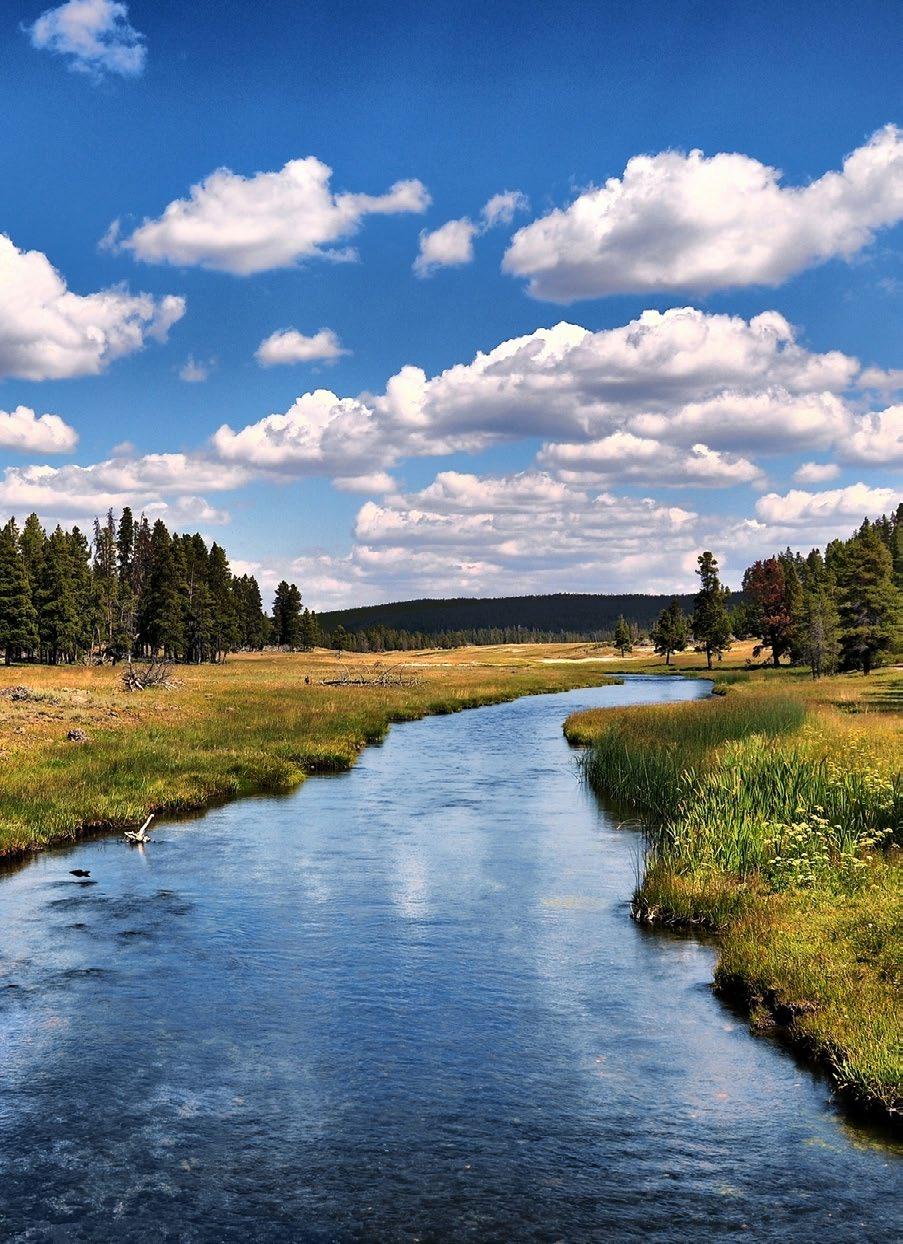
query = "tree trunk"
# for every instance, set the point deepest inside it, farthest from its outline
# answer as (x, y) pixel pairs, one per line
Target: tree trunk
(708, 657)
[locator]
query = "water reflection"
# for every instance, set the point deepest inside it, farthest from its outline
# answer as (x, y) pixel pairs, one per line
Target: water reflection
(405, 1003)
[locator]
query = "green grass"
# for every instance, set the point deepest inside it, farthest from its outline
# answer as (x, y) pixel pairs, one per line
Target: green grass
(773, 818)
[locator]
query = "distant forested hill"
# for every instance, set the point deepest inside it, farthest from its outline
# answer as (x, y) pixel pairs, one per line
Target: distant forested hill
(588, 616)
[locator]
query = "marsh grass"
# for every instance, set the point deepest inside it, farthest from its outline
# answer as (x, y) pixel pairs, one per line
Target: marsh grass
(772, 816)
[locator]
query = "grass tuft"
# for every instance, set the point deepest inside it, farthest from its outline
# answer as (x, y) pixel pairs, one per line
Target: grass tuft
(775, 817)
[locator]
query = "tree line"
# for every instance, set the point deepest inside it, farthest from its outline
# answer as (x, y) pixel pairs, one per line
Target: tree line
(837, 610)
(133, 590)
(137, 590)
(551, 618)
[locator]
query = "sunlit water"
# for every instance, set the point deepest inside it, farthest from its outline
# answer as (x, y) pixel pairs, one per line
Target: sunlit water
(403, 1003)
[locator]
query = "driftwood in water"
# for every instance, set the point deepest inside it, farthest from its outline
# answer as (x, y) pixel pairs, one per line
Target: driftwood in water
(140, 835)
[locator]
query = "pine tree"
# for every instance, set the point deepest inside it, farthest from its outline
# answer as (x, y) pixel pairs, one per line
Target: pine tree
(199, 626)
(711, 621)
(59, 624)
(106, 582)
(623, 637)
(84, 599)
(896, 548)
(340, 639)
(125, 545)
(308, 635)
(250, 618)
(219, 583)
(287, 616)
(162, 621)
(671, 633)
(18, 618)
(816, 628)
(870, 606)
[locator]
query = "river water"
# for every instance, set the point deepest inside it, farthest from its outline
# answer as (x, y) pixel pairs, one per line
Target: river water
(403, 1003)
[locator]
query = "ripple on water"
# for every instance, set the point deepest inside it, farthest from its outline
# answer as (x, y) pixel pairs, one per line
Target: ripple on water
(406, 1003)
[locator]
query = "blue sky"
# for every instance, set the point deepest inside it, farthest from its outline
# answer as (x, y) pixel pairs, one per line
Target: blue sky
(565, 463)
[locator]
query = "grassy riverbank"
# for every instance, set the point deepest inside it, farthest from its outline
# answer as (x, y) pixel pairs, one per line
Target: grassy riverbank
(777, 813)
(252, 723)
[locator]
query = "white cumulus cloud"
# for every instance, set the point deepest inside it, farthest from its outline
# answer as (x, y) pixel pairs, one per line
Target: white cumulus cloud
(883, 381)
(690, 222)
(96, 35)
(46, 434)
(877, 439)
(451, 245)
(289, 346)
(373, 482)
(47, 332)
(244, 225)
(164, 485)
(569, 383)
(673, 397)
(835, 511)
(470, 534)
(816, 472)
(627, 458)
(320, 433)
(769, 420)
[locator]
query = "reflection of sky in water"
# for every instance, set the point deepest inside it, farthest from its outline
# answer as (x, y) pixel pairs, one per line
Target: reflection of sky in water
(405, 1000)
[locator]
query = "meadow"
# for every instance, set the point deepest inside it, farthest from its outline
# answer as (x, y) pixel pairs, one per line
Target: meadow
(775, 815)
(252, 723)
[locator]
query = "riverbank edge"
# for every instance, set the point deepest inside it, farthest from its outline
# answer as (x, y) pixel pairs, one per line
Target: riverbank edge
(305, 767)
(768, 1011)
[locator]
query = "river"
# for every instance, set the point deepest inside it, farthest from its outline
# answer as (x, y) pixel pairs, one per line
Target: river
(403, 1003)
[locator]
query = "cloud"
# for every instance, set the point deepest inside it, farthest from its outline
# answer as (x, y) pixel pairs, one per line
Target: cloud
(195, 371)
(877, 440)
(522, 532)
(46, 434)
(49, 333)
(290, 346)
(569, 383)
(95, 34)
(451, 245)
(834, 511)
(625, 458)
(676, 222)
(816, 472)
(374, 482)
(770, 420)
(676, 387)
(501, 208)
(448, 246)
(244, 225)
(159, 485)
(883, 381)
(320, 433)
(188, 510)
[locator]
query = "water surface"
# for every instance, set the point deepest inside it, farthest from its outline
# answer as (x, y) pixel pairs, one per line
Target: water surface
(404, 1003)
